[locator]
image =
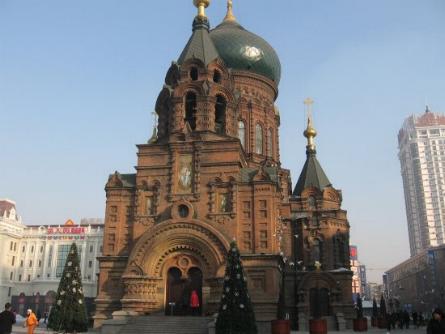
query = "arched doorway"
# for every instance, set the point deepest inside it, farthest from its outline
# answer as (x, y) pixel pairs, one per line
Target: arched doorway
(319, 302)
(179, 288)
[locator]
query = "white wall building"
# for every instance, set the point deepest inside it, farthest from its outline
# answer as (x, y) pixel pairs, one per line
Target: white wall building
(11, 232)
(33, 257)
(422, 160)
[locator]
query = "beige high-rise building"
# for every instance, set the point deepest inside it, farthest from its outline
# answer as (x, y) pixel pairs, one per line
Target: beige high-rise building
(422, 159)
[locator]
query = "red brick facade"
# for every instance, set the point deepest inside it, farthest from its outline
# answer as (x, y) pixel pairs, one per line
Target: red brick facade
(213, 174)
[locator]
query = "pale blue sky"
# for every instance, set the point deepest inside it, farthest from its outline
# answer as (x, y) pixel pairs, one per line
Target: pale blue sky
(79, 79)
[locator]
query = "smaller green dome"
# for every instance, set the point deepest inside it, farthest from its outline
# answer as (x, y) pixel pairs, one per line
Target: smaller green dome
(242, 50)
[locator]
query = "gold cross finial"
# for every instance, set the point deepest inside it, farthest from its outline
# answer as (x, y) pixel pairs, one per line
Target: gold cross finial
(201, 5)
(229, 16)
(308, 102)
(310, 132)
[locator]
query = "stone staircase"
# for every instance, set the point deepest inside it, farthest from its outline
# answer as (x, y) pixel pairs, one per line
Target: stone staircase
(157, 324)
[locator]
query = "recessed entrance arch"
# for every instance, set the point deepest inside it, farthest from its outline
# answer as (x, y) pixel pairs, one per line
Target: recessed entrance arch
(150, 285)
(179, 290)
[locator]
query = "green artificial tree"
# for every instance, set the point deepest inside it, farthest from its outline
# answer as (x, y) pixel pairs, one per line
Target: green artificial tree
(382, 320)
(359, 307)
(235, 314)
(382, 307)
(68, 313)
(375, 310)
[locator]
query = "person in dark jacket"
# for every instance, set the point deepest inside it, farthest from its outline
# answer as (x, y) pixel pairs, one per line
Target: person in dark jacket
(7, 319)
(437, 323)
(406, 319)
(415, 323)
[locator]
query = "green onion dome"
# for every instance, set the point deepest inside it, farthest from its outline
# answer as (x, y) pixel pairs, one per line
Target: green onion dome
(242, 50)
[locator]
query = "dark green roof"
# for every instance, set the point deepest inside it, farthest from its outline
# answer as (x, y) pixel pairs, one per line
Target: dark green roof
(312, 175)
(242, 50)
(128, 180)
(199, 46)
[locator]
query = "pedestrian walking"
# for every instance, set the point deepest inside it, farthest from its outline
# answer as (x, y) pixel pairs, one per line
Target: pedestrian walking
(7, 319)
(406, 319)
(194, 302)
(437, 323)
(388, 323)
(31, 321)
(415, 323)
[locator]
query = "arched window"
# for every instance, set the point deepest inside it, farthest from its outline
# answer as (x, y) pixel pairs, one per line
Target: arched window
(258, 139)
(269, 142)
(190, 109)
(242, 133)
(194, 73)
(220, 114)
(217, 76)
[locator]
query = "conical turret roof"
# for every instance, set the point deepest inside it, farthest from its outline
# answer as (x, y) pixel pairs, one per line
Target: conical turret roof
(312, 175)
(200, 45)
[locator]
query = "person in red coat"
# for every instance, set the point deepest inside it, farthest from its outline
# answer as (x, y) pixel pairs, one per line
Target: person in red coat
(194, 302)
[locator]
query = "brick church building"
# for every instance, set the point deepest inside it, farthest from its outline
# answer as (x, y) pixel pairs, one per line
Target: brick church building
(211, 173)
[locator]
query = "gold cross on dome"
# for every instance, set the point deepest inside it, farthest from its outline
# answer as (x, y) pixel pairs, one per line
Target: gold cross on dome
(308, 102)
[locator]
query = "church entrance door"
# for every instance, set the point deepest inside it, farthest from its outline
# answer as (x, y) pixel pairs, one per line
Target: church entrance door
(319, 302)
(179, 290)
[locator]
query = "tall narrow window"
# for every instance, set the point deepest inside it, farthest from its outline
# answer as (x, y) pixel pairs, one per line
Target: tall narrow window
(220, 114)
(194, 73)
(150, 205)
(258, 139)
(269, 142)
(50, 256)
(242, 133)
(190, 109)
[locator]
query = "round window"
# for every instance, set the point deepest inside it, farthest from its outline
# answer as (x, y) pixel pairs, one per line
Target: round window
(183, 211)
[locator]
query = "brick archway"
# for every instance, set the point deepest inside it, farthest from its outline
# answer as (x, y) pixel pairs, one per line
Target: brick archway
(163, 246)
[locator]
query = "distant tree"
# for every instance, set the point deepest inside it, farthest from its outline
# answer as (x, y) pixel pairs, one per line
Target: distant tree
(235, 314)
(68, 313)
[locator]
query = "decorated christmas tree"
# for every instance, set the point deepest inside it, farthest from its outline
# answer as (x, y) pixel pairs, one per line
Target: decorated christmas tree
(382, 307)
(68, 313)
(375, 310)
(235, 314)
(359, 307)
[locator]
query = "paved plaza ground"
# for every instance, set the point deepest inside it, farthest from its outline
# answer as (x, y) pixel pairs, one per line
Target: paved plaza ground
(422, 330)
